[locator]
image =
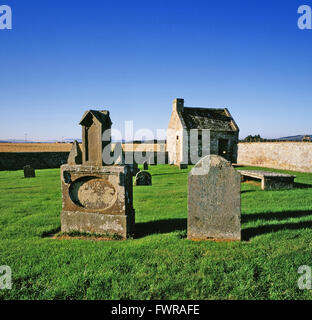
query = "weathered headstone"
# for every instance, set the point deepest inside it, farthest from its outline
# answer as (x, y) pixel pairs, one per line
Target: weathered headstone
(183, 166)
(214, 200)
(143, 178)
(75, 155)
(145, 165)
(29, 172)
(97, 198)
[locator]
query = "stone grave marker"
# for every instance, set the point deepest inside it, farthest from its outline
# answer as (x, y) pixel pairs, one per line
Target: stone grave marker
(75, 155)
(29, 172)
(183, 166)
(214, 201)
(145, 165)
(96, 198)
(143, 178)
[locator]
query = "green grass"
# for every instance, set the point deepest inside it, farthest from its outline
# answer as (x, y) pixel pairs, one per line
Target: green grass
(159, 263)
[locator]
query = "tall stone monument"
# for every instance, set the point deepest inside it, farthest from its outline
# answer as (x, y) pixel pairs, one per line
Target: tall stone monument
(96, 198)
(214, 201)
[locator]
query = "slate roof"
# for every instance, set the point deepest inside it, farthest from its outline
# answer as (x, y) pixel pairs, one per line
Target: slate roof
(208, 118)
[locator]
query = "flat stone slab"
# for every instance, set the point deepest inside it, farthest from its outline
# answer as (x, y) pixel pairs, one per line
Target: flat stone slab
(270, 180)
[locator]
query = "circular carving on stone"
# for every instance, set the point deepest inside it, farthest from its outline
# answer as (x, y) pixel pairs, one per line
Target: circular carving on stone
(93, 193)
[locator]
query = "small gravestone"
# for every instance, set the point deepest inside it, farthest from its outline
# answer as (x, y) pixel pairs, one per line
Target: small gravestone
(145, 165)
(214, 200)
(143, 178)
(75, 155)
(183, 165)
(29, 172)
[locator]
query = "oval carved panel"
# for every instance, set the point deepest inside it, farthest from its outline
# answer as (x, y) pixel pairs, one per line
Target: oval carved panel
(93, 193)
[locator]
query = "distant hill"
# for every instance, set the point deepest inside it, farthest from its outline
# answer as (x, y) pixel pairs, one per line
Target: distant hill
(47, 141)
(80, 141)
(295, 138)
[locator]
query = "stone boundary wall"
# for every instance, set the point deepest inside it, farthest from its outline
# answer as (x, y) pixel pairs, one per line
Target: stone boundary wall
(46, 160)
(38, 160)
(66, 147)
(294, 156)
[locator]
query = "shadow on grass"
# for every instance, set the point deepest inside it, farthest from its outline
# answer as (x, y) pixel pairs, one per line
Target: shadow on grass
(249, 233)
(26, 187)
(275, 215)
(245, 191)
(298, 185)
(143, 229)
(50, 233)
(168, 174)
(255, 183)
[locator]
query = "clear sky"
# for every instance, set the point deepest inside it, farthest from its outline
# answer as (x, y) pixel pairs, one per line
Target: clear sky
(134, 57)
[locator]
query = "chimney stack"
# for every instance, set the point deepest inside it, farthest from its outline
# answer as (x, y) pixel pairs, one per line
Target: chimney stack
(178, 105)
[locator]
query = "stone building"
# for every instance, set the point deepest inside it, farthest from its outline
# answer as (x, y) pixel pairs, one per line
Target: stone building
(223, 133)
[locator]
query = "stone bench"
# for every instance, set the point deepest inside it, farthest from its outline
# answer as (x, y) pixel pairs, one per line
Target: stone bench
(269, 180)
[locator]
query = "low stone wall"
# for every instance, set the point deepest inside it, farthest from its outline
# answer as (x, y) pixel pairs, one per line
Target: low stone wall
(46, 160)
(295, 156)
(38, 160)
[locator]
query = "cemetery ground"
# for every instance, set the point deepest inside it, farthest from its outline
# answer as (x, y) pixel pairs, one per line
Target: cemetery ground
(159, 262)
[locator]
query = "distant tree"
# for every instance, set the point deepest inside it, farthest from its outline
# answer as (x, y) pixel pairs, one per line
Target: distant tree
(255, 138)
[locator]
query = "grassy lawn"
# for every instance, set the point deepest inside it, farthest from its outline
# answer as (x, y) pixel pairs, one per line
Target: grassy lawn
(159, 263)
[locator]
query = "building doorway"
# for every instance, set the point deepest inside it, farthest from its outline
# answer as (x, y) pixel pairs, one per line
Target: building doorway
(223, 148)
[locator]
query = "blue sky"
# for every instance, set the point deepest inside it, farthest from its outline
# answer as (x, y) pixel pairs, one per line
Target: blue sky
(134, 57)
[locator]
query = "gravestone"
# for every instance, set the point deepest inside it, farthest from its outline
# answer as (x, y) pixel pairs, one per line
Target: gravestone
(29, 172)
(183, 166)
(75, 155)
(96, 198)
(143, 178)
(214, 200)
(145, 165)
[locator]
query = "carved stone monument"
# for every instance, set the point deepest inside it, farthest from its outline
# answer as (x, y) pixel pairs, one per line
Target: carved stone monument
(96, 198)
(214, 200)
